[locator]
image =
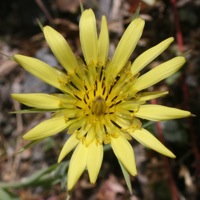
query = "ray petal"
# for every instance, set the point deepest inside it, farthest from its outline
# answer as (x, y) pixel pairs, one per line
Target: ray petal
(71, 142)
(46, 128)
(124, 153)
(41, 70)
(146, 96)
(38, 100)
(159, 113)
(148, 140)
(145, 58)
(88, 36)
(159, 73)
(60, 48)
(125, 48)
(77, 165)
(103, 42)
(94, 160)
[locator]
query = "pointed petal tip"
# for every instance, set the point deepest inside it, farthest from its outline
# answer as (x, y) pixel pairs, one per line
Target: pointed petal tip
(149, 55)
(69, 145)
(28, 136)
(18, 57)
(103, 42)
(88, 36)
(140, 21)
(122, 147)
(179, 61)
(46, 128)
(77, 165)
(170, 39)
(125, 48)
(172, 156)
(183, 59)
(60, 48)
(94, 160)
(25, 137)
(155, 112)
(13, 95)
(148, 140)
(46, 28)
(159, 73)
(59, 159)
(88, 11)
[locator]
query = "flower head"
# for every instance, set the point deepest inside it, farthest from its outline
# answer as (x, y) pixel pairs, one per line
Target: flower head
(102, 100)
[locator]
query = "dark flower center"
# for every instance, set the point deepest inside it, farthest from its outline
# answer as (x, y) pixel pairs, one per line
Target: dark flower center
(98, 106)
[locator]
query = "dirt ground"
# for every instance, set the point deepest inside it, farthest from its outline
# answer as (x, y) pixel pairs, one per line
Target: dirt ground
(34, 174)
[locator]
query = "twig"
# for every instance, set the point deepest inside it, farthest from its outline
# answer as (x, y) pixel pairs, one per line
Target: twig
(44, 10)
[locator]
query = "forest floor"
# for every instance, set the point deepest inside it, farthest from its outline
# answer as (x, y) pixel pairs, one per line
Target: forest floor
(33, 174)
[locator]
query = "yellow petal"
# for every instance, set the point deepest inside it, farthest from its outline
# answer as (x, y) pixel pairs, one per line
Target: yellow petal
(148, 140)
(61, 49)
(41, 70)
(88, 36)
(94, 160)
(103, 42)
(38, 100)
(159, 113)
(146, 96)
(90, 137)
(159, 73)
(124, 153)
(69, 145)
(77, 165)
(123, 123)
(145, 58)
(125, 48)
(46, 128)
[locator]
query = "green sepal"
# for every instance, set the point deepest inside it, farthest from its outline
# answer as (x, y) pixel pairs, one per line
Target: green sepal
(137, 12)
(5, 195)
(81, 6)
(149, 123)
(126, 177)
(30, 144)
(34, 110)
(40, 24)
(68, 196)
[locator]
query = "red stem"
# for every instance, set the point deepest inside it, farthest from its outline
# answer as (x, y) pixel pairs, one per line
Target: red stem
(191, 129)
(179, 35)
(172, 184)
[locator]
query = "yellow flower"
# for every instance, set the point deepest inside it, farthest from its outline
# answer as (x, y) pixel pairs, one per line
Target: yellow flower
(102, 100)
